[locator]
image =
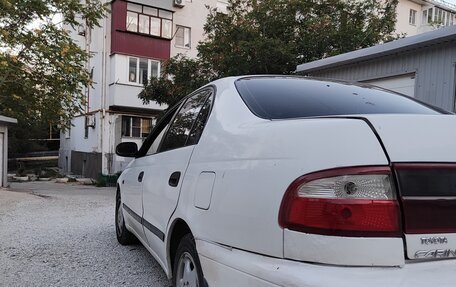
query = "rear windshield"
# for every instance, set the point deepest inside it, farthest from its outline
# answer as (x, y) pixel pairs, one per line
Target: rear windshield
(295, 97)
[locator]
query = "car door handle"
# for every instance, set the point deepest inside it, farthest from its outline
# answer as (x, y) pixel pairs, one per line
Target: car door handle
(174, 178)
(140, 176)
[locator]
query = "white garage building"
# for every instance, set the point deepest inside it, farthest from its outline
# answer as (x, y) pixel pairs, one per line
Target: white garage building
(4, 122)
(421, 66)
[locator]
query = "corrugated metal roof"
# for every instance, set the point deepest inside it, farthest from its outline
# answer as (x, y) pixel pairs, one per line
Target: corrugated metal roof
(7, 120)
(445, 34)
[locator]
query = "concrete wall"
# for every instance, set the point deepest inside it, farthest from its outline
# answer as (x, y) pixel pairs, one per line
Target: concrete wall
(402, 17)
(434, 68)
(86, 164)
(193, 15)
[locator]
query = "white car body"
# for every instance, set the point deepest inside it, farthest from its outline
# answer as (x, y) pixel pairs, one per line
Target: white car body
(233, 182)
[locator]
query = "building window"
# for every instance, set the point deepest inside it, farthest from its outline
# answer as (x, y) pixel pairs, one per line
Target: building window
(412, 17)
(86, 127)
(438, 16)
(136, 127)
(149, 20)
(424, 20)
(132, 21)
(183, 36)
(140, 70)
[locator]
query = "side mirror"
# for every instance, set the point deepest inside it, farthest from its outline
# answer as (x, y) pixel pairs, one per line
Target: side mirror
(127, 149)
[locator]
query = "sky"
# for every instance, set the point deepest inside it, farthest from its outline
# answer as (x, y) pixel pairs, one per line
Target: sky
(451, 1)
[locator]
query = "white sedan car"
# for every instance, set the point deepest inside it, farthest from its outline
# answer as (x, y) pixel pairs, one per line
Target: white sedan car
(290, 181)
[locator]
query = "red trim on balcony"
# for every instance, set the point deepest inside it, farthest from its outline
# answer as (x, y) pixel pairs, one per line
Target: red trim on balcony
(125, 42)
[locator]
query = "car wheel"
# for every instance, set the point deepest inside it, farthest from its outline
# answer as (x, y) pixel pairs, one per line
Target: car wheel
(124, 236)
(187, 268)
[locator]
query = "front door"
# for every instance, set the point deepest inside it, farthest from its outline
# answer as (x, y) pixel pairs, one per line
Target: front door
(166, 166)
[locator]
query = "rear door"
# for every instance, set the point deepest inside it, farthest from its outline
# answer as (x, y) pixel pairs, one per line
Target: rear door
(422, 150)
(166, 167)
(1, 159)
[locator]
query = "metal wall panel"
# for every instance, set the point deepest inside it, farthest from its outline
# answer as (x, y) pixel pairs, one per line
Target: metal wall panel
(434, 67)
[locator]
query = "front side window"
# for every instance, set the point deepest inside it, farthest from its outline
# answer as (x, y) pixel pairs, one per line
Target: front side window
(184, 121)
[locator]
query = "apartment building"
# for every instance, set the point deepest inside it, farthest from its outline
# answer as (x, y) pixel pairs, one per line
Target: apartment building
(129, 47)
(417, 16)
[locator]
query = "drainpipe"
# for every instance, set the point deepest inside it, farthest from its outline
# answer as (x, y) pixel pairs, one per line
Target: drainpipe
(103, 94)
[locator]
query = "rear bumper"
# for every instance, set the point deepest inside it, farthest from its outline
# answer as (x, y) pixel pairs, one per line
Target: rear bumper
(232, 267)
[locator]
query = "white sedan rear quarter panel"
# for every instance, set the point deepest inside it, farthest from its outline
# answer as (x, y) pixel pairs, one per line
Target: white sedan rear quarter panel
(255, 160)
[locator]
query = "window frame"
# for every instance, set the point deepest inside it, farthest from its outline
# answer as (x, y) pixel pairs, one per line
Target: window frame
(160, 147)
(138, 69)
(412, 17)
(184, 29)
(168, 118)
(130, 132)
(157, 15)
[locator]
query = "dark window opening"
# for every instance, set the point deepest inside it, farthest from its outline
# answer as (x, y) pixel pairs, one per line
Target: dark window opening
(184, 121)
(297, 97)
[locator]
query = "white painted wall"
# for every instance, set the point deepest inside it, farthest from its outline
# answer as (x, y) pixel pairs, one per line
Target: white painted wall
(121, 91)
(403, 12)
(192, 15)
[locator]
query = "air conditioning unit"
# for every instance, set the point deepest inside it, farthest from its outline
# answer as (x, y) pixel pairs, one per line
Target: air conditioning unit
(179, 3)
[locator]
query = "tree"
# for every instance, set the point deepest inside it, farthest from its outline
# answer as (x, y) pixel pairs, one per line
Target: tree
(42, 70)
(175, 81)
(273, 37)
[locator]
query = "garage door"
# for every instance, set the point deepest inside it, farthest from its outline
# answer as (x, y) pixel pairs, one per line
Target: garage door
(404, 84)
(1, 159)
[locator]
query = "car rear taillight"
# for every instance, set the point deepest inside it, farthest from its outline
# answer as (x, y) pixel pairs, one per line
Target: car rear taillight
(358, 201)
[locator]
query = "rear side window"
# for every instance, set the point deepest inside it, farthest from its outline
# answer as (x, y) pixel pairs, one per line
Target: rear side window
(183, 123)
(200, 122)
(294, 97)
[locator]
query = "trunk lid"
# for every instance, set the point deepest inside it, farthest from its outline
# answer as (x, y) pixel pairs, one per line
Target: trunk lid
(422, 150)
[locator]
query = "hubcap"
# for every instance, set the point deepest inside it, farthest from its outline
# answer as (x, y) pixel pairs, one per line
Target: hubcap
(187, 274)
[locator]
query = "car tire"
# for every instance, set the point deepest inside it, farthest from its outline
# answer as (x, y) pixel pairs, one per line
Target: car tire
(124, 236)
(187, 268)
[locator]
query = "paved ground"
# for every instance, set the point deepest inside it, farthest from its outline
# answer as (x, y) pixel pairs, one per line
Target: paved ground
(63, 235)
